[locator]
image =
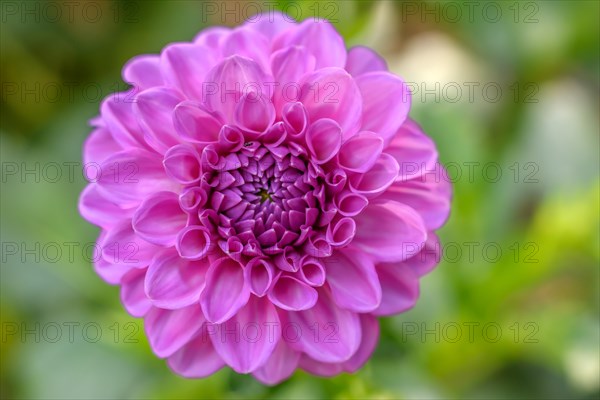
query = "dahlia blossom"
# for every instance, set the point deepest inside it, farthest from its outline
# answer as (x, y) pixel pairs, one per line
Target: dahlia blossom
(263, 197)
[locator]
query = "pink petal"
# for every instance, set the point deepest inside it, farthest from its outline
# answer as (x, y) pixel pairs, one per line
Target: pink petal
(159, 219)
(312, 271)
(193, 242)
(415, 152)
(182, 163)
(111, 273)
(169, 330)
(399, 288)
(97, 148)
(353, 281)
(172, 282)
(212, 37)
(376, 180)
(360, 152)
(280, 365)
(225, 292)
(246, 42)
(332, 93)
(386, 230)
(362, 60)
(128, 177)
(292, 294)
(133, 295)
(295, 118)
(99, 210)
(320, 368)
(386, 102)
(247, 340)
(193, 198)
(184, 66)
(121, 246)
(270, 23)
(325, 332)
(254, 114)
(350, 204)
(289, 65)
(229, 80)
(370, 335)
(143, 72)
(429, 256)
(312, 34)
(154, 107)
(323, 139)
(196, 359)
(259, 274)
(195, 124)
(429, 195)
(341, 232)
(117, 113)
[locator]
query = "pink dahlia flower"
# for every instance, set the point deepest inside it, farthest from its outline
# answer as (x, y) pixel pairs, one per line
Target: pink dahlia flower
(263, 198)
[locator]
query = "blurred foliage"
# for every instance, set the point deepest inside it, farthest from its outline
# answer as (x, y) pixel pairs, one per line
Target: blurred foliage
(542, 291)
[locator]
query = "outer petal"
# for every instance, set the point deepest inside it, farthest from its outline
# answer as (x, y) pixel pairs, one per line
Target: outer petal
(159, 219)
(378, 178)
(400, 288)
(386, 230)
(212, 37)
(169, 330)
(312, 34)
(280, 365)
(100, 211)
(111, 273)
(198, 358)
(228, 80)
(143, 72)
(97, 148)
(172, 282)
(370, 335)
(415, 152)
(154, 107)
(429, 195)
(353, 281)
(133, 295)
(247, 340)
(386, 102)
(185, 65)
(128, 177)
(325, 332)
(196, 124)
(117, 113)
(289, 65)
(244, 41)
(429, 256)
(370, 332)
(271, 23)
(332, 93)
(226, 291)
(121, 246)
(362, 60)
(320, 368)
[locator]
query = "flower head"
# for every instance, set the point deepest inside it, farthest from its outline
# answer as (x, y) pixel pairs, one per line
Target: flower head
(263, 197)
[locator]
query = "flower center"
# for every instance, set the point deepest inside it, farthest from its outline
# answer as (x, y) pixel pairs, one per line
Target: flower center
(264, 195)
(263, 198)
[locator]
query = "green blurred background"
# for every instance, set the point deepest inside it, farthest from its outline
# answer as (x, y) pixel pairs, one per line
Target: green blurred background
(508, 90)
